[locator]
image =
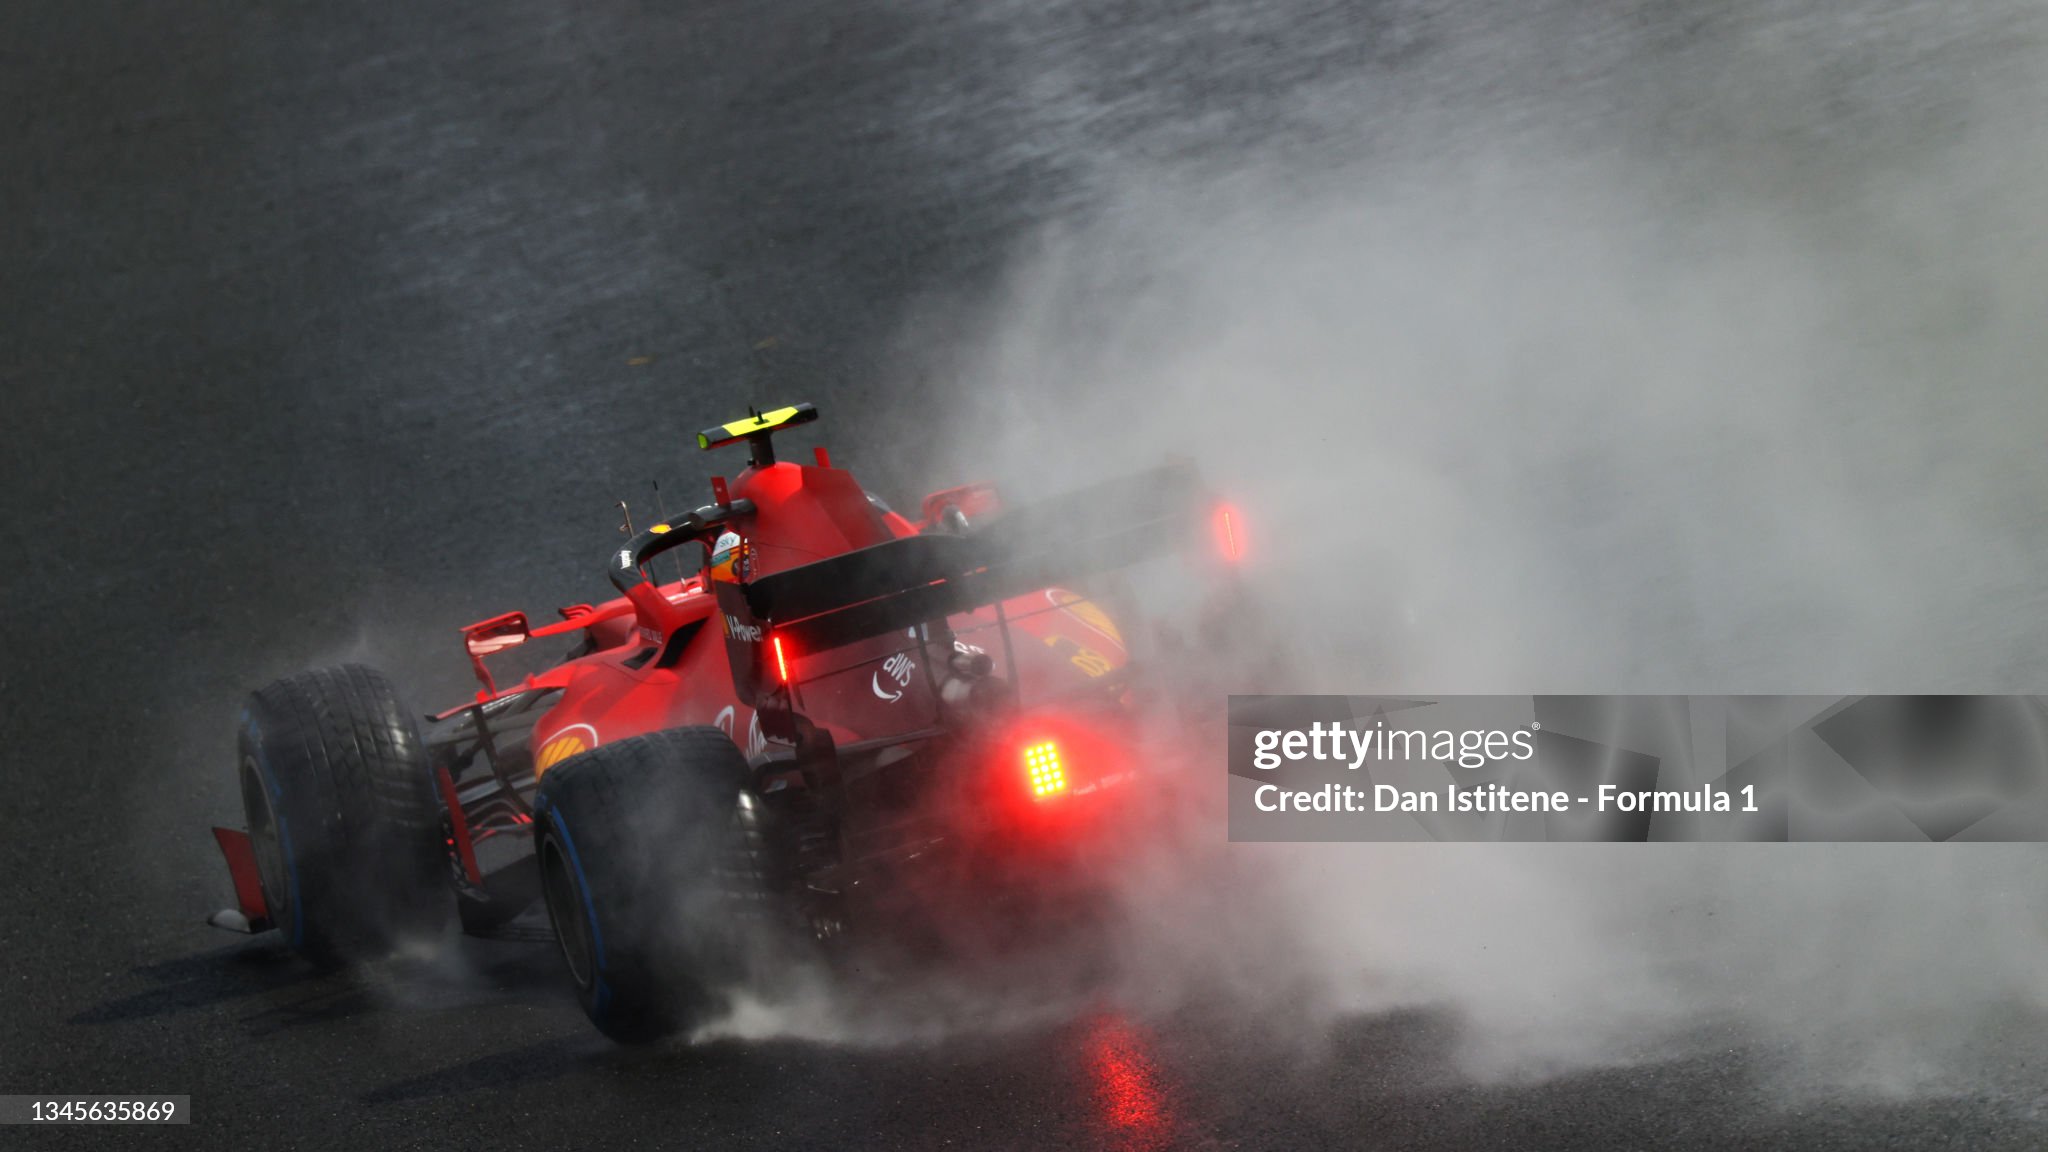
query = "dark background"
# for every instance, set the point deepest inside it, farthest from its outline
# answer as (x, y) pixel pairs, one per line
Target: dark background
(325, 328)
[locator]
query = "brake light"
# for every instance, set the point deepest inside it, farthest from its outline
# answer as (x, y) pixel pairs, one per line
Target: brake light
(1229, 533)
(781, 661)
(1042, 763)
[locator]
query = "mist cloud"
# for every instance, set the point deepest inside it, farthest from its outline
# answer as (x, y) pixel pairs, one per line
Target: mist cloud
(1585, 352)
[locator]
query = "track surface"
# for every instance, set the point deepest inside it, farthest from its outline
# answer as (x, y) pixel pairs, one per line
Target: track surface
(324, 328)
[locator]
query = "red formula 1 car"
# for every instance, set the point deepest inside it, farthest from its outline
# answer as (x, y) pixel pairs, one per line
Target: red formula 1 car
(842, 713)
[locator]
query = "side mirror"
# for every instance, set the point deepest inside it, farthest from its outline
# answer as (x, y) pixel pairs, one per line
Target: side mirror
(968, 503)
(489, 637)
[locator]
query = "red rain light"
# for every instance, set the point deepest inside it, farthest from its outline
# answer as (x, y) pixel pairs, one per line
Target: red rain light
(1042, 763)
(1230, 533)
(781, 661)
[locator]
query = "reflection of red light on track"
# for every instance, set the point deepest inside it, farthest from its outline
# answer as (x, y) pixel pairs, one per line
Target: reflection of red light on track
(1127, 1088)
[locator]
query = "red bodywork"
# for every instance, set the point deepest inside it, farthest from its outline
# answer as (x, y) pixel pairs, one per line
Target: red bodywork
(801, 513)
(918, 759)
(241, 857)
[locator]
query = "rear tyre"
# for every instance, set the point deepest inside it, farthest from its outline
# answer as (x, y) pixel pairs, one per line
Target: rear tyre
(342, 813)
(653, 868)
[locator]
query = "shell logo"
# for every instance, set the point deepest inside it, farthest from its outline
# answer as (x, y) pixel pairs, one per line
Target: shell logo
(570, 741)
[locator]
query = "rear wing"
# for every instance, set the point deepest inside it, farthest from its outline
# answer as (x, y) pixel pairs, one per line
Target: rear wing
(903, 583)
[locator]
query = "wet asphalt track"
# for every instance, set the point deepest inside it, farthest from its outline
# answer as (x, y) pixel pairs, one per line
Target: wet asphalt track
(325, 328)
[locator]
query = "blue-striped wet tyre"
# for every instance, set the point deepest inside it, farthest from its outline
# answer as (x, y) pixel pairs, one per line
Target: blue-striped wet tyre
(343, 816)
(657, 878)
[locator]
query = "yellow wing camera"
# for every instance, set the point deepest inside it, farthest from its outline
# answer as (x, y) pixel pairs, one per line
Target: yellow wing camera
(760, 424)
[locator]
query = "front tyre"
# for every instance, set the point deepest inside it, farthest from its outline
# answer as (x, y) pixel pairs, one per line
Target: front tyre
(342, 814)
(651, 865)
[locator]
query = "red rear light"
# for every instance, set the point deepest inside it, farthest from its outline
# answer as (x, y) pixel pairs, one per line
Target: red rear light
(1042, 765)
(781, 661)
(1230, 533)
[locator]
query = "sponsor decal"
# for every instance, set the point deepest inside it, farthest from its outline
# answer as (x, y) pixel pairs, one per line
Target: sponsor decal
(570, 741)
(751, 633)
(756, 742)
(728, 554)
(1088, 660)
(1087, 612)
(899, 669)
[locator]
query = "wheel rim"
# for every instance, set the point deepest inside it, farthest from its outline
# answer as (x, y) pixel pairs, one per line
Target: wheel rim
(271, 872)
(566, 913)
